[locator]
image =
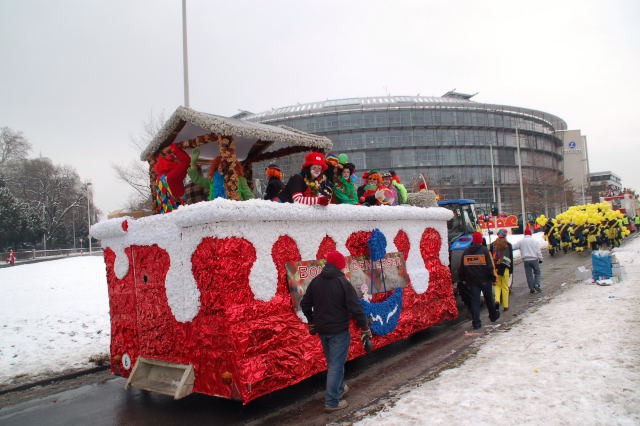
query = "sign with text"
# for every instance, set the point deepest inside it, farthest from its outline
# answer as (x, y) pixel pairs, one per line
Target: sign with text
(388, 273)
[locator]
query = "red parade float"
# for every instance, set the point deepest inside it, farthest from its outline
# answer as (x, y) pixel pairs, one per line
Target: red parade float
(200, 299)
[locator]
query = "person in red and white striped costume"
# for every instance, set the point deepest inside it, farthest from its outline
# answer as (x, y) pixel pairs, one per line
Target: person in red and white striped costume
(310, 186)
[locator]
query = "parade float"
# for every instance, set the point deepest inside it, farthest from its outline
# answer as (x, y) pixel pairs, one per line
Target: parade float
(204, 298)
(624, 201)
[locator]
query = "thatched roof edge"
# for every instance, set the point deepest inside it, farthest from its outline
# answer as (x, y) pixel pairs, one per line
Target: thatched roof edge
(233, 127)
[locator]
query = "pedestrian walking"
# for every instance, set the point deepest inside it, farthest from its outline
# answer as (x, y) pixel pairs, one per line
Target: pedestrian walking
(531, 258)
(502, 252)
(476, 269)
(329, 304)
(11, 257)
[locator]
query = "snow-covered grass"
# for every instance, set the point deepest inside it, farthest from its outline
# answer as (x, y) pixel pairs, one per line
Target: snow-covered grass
(54, 316)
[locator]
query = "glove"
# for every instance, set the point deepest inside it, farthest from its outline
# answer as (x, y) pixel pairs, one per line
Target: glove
(312, 329)
(539, 261)
(323, 201)
(366, 340)
(195, 154)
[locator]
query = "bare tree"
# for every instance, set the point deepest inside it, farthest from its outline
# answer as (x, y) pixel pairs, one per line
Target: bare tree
(13, 146)
(136, 175)
(51, 192)
(136, 172)
(549, 192)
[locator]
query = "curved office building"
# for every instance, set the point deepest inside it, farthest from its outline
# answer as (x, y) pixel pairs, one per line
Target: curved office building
(450, 139)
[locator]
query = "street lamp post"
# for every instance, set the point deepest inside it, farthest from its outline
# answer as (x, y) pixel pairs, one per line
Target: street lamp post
(493, 187)
(524, 213)
(185, 60)
(73, 225)
(493, 175)
(89, 215)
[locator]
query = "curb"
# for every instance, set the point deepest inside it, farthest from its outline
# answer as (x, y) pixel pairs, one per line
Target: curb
(51, 380)
(47, 258)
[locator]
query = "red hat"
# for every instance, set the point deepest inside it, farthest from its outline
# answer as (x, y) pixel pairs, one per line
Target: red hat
(477, 238)
(315, 158)
(336, 258)
(527, 231)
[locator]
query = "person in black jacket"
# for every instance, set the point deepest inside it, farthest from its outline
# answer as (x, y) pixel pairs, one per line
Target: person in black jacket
(274, 184)
(329, 304)
(476, 269)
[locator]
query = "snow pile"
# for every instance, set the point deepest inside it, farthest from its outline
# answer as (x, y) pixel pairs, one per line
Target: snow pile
(575, 360)
(53, 316)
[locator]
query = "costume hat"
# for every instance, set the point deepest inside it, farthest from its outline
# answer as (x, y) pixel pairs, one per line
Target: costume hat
(336, 258)
(315, 159)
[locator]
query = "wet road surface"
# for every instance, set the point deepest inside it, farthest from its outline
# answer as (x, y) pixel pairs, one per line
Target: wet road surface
(376, 378)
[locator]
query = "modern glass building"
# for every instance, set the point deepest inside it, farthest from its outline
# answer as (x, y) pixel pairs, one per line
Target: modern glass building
(450, 139)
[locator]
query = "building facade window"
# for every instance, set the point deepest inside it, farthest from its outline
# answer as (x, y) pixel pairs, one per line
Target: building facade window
(446, 139)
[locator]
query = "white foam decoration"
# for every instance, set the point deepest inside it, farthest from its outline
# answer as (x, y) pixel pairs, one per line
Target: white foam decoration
(183, 295)
(444, 246)
(415, 264)
(263, 279)
(121, 263)
(262, 223)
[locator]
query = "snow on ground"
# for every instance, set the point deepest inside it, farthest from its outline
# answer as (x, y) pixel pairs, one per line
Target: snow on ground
(54, 315)
(575, 360)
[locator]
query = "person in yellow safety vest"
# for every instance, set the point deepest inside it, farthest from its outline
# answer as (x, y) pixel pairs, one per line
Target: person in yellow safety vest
(625, 221)
(636, 221)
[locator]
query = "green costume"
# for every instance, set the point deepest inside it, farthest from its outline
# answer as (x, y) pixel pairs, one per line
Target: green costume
(216, 185)
(344, 191)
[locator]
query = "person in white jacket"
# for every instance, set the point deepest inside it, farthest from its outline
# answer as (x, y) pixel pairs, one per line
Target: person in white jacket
(531, 258)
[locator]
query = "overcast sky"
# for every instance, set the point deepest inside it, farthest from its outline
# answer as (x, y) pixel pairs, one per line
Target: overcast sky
(79, 78)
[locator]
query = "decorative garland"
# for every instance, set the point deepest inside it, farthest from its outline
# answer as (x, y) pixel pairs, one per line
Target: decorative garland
(165, 201)
(314, 184)
(384, 315)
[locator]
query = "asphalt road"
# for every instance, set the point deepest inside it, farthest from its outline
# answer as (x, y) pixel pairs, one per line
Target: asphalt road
(375, 379)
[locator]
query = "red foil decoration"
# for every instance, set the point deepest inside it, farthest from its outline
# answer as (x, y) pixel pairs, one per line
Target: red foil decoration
(357, 243)
(326, 245)
(241, 347)
(402, 243)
